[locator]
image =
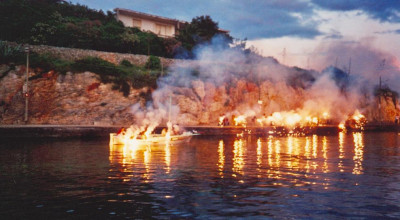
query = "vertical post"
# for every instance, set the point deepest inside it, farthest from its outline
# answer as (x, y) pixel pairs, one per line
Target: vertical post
(26, 84)
(379, 99)
(349, 65)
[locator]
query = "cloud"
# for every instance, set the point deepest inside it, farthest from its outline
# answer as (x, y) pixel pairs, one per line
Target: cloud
(334, 34)
(389, 32)
(269, 19)
(385, 11)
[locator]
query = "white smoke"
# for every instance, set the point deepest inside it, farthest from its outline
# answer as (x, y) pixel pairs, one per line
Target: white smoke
(225, 81)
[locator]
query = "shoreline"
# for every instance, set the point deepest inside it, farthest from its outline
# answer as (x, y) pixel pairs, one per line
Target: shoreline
(103, 131)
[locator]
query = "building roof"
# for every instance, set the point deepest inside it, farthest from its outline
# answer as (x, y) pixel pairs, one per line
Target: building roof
(177, 23)
(148, 16)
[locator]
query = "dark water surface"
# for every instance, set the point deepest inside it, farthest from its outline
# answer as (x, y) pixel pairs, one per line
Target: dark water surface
(353, 175)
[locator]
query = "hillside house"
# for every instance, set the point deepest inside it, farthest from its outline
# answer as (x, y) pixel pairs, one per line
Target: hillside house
(162, 26)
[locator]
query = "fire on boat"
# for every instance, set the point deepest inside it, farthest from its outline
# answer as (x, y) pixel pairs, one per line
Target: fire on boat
(145, 137)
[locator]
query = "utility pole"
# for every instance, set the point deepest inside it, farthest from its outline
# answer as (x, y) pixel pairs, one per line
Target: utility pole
(349, 65)
(25, 87)
(380, 69)
(284, 56)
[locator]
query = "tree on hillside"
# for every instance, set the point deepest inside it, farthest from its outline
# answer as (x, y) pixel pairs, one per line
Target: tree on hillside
(201, 30)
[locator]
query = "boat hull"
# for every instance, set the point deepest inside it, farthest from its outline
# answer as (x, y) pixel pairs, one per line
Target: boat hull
(157, 140)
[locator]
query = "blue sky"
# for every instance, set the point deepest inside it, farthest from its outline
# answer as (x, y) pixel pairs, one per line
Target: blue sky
(300, 26)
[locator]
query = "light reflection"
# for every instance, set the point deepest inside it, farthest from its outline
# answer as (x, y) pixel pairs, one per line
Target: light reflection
(314, 145)
(259, 156)
(290, 150)
(307, 154)
(286, 156)
(167, 158)
(277, 153)
(147, 159)
(270, 151)
(358, 153)
(314, 151)
(341, 151)
(221, 158)
(325, 168)
(238, 160)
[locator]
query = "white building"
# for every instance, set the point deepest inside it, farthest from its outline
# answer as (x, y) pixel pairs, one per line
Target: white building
(163, 27)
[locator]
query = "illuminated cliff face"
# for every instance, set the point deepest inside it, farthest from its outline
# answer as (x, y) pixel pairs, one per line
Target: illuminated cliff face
(267, 93)
(251, 89)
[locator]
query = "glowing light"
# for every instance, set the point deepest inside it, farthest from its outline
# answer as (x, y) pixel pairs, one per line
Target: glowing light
(240, 120)
(357, 121)
(342, 127)
(221, 121)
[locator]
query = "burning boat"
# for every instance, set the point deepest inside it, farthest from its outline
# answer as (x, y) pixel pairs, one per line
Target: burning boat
(152, 140)
(132, 136)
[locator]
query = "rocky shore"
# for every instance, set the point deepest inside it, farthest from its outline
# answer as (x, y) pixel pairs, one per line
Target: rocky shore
(64, 99)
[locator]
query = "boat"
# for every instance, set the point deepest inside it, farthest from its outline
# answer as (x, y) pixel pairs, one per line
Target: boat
(152, 140)
(163, 139)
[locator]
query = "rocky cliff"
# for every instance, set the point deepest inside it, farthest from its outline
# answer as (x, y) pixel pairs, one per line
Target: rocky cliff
(64, 99)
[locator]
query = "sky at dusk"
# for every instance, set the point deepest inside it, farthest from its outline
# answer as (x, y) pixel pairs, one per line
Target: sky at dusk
(305, 28)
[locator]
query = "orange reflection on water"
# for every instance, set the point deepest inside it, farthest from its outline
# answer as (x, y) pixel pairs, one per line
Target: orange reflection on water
(147, 159)
(341, 151)
(277, 153)
(259, 156)
(293, 151)
(128, 153)
(307, 154)
(358, 152)
(325, 167)
(290, 151)
(167, 158)
(270, 151)
(238, 160)
(314, 164)
(221, 158)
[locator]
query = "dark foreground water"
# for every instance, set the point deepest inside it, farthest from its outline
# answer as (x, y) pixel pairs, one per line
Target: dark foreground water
(353, 175)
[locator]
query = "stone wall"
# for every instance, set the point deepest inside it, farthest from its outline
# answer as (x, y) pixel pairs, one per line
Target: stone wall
(75, 54)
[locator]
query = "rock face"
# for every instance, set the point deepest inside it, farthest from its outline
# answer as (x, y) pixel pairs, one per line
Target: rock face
(79, 99)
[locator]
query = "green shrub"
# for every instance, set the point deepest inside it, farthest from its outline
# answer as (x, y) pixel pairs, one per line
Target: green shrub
(126, 63)
(48, 62)
(10, 53)
(153, 63)
(122, 76)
